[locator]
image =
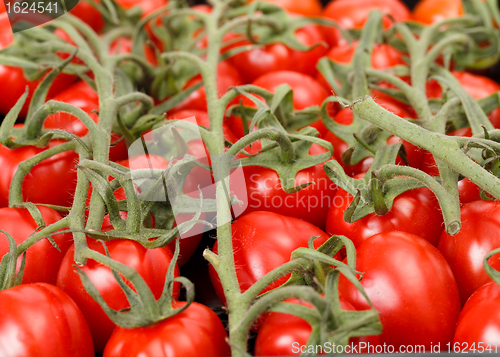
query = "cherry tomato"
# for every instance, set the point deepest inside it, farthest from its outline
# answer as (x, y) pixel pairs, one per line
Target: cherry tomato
(432, 11)
(42, 320)
(383, 55)
(52, 181)
(478, 325)
(466, 250)
(278, 57)
(415, 211)
(263, 241)
(305, 7)
(197, 331)
(151, 264)
(352, 14)
(227, 77)
(409, 282)
(42, 259)
(13, 81)
(265, 192)
(285, 334)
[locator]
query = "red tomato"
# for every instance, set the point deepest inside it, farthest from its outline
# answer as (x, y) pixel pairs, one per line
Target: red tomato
(304, 7)
(352, 14)
(476, 85)
(52, 181)
(197, 331)
(263, 241)
(345, 117)
(265, 192)
(416, 211)
(151, 264)
(411, 285)
(81, 95)
(227, 77)
(13, 81)
(478, 325)
(432, 11)
(90, 15)
(278, 57)
(306, 92)
(42, 259)
(203, 120)
(465, 251)
(383, 55)
(42, 320)
(188, 244)
(285, 334)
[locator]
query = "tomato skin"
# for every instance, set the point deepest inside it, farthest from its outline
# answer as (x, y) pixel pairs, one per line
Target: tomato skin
(52, 181)
(42, 259)
(304, 7)
(352, 14)
(277, 57)
(383, 55)
(466, 250)
(411, 285)
(283, 334)
(197, 331)
(311, 204)
(479, 320)
(151, 264)
(227, 77)
(432, 11)
(415, 211)
(39, 320)
(263, 241)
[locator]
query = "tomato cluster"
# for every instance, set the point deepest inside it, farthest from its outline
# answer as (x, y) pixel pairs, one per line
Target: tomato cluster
(95, 255)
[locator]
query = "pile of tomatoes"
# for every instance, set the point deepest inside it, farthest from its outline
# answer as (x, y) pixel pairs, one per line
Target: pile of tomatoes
(110, 277)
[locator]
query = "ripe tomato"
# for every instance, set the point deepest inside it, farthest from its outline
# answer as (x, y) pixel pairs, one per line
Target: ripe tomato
(479, 321)
(411, 285)
(81, 95)
(306, 92)
(352, 14)
(227, 77)
(466, 250)
(13, 81)
(265, 192)
(476, 85)
(151, 264)
(345, 117)
(284, 334)
(278, 57)
(197, 331)
(305, 7)
(431, 11)
(383, 55)
(52, 181)
(263, 241)
(203, 120)
(416, 211)
(90, 15)
(42, 320)
(42, 259)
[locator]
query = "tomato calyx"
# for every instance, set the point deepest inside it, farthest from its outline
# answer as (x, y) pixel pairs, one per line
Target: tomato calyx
(144, 309)
(8, 265)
